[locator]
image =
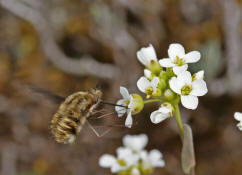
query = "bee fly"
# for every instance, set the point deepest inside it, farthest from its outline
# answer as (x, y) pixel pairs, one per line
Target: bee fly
(73, 112)
(67, 122)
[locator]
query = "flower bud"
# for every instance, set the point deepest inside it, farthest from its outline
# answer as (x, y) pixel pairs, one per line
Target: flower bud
(169, 73)
(138, 104)
(163, 75)
(147, 73)
(169, 95)
(162, 84)
(162, 113)
(155, 67)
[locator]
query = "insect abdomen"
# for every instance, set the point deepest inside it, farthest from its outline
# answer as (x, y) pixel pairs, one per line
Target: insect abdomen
(65, 128)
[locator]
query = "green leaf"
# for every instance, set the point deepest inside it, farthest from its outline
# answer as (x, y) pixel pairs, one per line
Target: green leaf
(187, 155)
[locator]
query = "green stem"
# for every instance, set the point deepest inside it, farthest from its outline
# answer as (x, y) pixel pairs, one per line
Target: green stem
(178, 120)
(152, 101)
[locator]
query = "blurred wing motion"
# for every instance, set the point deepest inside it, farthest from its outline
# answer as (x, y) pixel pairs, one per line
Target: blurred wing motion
(35, 93)
(72, 112)
(56, 98)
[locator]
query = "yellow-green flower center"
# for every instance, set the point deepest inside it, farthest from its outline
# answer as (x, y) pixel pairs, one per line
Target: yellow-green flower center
(138, 104)
(194, 77)
(155, 67)
(186, 90)
(121, 162)
(127, 102)
(149, 91)
(179, 61)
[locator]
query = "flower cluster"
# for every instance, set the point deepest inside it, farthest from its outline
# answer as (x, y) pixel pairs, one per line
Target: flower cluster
(166, 80)
(132, 159)
(238, 117)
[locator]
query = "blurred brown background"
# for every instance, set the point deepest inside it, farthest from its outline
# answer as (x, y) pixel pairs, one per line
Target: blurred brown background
(69, 45)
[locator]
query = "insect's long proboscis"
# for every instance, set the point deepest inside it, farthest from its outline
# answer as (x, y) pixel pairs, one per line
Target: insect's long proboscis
(113, 104)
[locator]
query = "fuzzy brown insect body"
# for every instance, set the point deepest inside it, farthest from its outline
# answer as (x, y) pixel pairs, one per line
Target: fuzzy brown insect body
(67, 122)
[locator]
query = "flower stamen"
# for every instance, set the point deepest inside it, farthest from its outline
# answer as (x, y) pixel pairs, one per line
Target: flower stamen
(179, 61)
(121, 162)
(185, 90)
(127, 102)
(149, 91)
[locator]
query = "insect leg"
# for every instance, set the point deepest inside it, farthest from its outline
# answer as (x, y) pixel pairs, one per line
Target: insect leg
(102, 111)
(105, 115)
(97, 134)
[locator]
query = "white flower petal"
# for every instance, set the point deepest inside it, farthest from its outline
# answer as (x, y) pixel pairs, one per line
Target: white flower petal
(123, 152)
(189, 101)
(155, 157)
(144, 155)
(155, 154)
(131, 103)
(185, 78)
(146, 54)
(199, 88)
(238, 116)
(149, 52)
(116, 168)
(154, 82)
(180, 69)
(124, 92)
(199, 75)
(192, 57)
(107, 160)
(120, 110)
(135, 171)
(142, 59)
(175, 85)
(160, 163)
(129, 120)
(142, 84)
(140, 142)
(166, 62)
(132, 159)
(165, 110)
(176, 50)
(157, 117)
(239, 125)
(147, 73)
(135, 142)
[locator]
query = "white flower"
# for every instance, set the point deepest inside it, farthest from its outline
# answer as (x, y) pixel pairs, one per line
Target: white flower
(178, 59)
(124, 160)
(152, 159)
(198, 76)
(128, 102)
(148, 87)
(238, 117)
(146, 55)
(188, 89)
(135, 142)
(161, 114)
